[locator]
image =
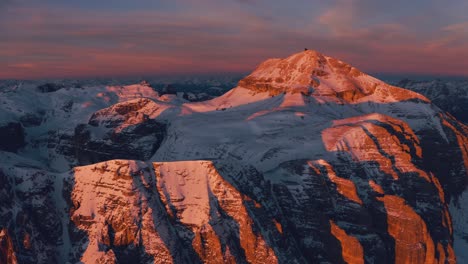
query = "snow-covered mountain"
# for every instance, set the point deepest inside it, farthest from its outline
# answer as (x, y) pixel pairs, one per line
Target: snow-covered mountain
(449, 95)
(307, 160)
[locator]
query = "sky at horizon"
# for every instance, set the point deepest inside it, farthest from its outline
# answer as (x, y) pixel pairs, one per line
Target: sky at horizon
(79, 39)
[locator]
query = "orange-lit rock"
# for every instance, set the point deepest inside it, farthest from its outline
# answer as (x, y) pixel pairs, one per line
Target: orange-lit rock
(7, 251)
(208, 247)
(367, 141)
(326, 78)
(445, 256)
(344, 186)
(170, 211)
(413, 243)
(191, 189)
(450, 257)
(441, 252)
(399, 126)
(377, 188)
(111, 205)
(278, 225)
(351, 249)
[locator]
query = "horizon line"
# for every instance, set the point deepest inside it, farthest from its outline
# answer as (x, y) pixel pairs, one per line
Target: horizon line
(379, 75)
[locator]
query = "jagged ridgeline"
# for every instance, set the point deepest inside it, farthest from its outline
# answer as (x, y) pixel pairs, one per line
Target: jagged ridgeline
(307, 160)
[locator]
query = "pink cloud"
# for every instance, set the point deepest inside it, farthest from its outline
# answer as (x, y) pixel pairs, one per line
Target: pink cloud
(72, 43)
(22, 65)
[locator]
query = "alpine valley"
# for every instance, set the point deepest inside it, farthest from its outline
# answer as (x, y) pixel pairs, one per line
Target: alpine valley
(307, 160)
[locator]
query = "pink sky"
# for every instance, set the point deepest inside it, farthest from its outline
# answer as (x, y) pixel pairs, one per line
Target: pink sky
(51, 40)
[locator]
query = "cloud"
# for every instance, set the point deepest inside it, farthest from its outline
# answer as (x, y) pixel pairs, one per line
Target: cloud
(132, 43)
(23, 65)
(64, 42)
(340, 17)
(246, 1)
(458, 28)
(451, 37)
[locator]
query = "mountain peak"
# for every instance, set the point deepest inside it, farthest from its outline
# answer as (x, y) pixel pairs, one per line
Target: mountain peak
(292, 74)
(312, 73)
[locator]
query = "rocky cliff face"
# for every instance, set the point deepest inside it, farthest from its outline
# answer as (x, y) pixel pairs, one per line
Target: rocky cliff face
(182, 212)
(308, 160)
(31, 224)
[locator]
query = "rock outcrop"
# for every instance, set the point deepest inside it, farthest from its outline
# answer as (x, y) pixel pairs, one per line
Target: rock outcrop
(126, 130)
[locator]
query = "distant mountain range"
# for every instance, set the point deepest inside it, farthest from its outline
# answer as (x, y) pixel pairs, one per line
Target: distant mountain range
(449, 95)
